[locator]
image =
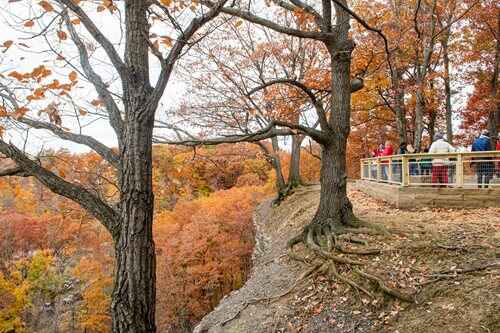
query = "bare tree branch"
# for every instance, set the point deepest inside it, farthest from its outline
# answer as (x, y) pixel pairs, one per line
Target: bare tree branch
(115, 119)
(98, 36)
(266, 133)
(105, 152)
(168, 64)
(98, 208)
(246, 15)
(368, 27)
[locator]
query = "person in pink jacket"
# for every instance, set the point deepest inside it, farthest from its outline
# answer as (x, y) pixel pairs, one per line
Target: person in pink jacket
(388, 151)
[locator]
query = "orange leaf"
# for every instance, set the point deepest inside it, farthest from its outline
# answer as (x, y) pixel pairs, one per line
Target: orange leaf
(29, 23)
(7, 43)
(54, 85)
(73, 76)
(21, 111)
(75, 21)
(46, 6)
(62, 35)
(18, 76)
(96, 102)
(167, 41)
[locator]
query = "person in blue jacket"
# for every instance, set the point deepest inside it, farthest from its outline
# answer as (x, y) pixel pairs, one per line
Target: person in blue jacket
(484, 168)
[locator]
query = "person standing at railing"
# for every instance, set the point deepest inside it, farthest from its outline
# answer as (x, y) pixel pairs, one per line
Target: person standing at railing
(425, 164)
(440, 164)
(388, 151)
(484, 168)
(397, 169)
(412, 163)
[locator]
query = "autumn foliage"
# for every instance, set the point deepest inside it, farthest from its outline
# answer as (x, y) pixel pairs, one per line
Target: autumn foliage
(54, 258)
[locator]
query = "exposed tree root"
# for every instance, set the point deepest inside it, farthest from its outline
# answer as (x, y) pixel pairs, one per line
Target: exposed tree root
(453, 273)
(324, 239)
(333, 271)
(385, 288)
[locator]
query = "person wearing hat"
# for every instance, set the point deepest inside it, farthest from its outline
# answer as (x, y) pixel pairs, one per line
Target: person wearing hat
(484, 169)
(440, 165)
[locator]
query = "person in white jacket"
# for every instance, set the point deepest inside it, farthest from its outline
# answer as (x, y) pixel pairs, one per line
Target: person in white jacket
(440, 164)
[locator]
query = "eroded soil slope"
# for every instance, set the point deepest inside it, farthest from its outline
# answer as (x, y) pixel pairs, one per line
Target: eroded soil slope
(448, 259)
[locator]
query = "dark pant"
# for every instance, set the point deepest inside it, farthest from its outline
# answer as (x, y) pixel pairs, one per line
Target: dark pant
(484, 171)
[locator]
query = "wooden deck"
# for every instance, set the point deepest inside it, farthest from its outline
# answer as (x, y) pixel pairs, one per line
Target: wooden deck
(414, 197)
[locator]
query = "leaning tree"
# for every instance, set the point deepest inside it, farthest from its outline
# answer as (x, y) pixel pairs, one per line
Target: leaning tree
(134, 34)
(222, 99)
(328, 25)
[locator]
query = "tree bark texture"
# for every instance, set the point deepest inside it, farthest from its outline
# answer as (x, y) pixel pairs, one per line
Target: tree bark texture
(335, 208)
(134, 294)
(294, 170)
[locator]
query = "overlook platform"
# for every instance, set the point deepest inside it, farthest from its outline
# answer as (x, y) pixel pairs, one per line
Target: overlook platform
(453, 180)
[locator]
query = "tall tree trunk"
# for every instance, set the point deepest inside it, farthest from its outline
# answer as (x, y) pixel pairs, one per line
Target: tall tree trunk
(134, 293)
(335, 209)
(280, 180)
(133, 300)
(419, 116)
(399, 108)
(294, 170)
(272, 157)
(431, 128)
(447, 90)
(421, 72)
(396, 78)
(494, 115)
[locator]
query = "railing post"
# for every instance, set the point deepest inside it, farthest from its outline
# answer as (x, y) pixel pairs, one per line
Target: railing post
(405, 171)
(460, 170)
(389, 172)
(379, 171)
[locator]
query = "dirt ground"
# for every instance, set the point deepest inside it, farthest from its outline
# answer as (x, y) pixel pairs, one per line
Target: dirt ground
(447, 259)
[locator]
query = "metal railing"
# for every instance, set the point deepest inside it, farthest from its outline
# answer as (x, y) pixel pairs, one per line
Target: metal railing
(460, 169)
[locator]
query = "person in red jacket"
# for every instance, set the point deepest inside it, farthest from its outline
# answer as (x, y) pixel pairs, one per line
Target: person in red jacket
(388, 151)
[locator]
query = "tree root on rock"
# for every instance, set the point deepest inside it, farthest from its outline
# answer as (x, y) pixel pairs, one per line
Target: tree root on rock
(323, 240)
